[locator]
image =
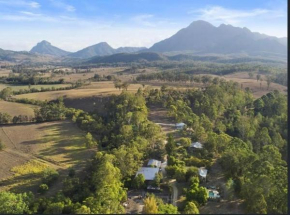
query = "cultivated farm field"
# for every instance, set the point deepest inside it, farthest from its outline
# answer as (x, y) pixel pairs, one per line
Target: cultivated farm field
(31, 148)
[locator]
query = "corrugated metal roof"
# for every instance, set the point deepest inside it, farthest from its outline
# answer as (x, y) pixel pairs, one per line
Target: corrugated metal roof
(148, 172)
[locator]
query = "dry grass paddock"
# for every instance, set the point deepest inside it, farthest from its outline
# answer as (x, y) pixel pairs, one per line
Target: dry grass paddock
(15, 109)
(30, 148)
(95, 89)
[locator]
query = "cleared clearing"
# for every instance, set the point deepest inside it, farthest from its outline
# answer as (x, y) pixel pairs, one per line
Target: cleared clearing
(15, 109)
(58, 145)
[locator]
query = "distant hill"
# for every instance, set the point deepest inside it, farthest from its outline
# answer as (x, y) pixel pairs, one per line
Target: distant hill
(129, 49)
(128, 58)
(283, 41)
(102, 49)
(99, 49)
(202, 37)
(22, 57)
(46, 48)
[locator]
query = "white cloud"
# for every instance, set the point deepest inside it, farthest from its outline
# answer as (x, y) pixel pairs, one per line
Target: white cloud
(70, 8)
(227, 16)
(34, 4)
(30, 13)
(61, 4)
(26, 16)
(144, 19)
(20, 3)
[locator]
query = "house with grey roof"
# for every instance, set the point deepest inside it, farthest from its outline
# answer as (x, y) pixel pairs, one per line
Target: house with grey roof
(154, 163)
(148, 172)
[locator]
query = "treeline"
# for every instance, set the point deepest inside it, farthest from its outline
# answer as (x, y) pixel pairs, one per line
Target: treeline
(5, 118)
(176, 77)
(183, 74)
(42, 89)
(29, 79)
(7, 92)
(249, 135)
(98, 77)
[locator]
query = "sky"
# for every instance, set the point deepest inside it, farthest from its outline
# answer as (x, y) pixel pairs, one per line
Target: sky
(75, 24)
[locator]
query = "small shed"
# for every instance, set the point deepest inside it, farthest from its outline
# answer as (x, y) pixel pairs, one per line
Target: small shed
(155, 163)
(148, 173)
(180, 126)
(196, 145)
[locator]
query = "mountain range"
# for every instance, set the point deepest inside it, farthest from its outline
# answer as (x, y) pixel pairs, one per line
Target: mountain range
(99, 49)
(199, 38)
(102, 49)
(202, 37)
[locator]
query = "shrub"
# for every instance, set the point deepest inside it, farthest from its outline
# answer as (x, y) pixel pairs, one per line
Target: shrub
(42, 188)
(49, 176)
(71, 172)
(191, 171)
(170, 170)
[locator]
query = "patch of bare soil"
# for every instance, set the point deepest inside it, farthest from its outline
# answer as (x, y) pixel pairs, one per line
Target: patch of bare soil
(158, 115)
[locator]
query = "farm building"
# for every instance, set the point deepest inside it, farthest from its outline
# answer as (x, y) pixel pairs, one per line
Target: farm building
(180, 126)
(148, 173)
(155, 163)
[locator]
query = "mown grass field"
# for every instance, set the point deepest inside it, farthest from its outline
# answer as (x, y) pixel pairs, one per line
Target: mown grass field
(29, 149)
(26, 87)
(15, 109)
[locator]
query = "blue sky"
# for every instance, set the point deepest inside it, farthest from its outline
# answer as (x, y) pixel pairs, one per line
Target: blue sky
(75, 24)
